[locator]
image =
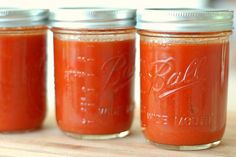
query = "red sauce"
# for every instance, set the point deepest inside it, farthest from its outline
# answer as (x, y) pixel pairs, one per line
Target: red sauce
(184, 92)
(94, 85)
(22, 81)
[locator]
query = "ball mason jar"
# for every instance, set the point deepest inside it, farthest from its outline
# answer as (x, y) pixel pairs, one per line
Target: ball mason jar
(184, 76)
(23, 34)
(94, 55)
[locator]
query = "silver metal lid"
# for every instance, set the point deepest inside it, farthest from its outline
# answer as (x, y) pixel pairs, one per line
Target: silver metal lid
(184, 20)
(92, 18)
(12, 17)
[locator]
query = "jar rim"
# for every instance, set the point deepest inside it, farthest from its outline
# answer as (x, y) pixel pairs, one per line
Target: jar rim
(184, 20)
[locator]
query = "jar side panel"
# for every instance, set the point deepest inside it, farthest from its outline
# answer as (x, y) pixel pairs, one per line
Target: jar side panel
(184, 89)
(22, 81)
(94, 83)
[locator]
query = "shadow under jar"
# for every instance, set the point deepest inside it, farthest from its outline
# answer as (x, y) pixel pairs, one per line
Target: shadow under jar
(94, 55)
(184, 76)
(22, 69)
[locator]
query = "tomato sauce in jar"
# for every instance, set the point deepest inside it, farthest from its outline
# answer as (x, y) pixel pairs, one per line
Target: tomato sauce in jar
(22, 69)
(94, 71)
(184, 79)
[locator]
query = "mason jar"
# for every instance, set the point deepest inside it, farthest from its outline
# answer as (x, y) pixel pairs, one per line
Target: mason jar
(94, 55)
(184, 76)
(22, 68)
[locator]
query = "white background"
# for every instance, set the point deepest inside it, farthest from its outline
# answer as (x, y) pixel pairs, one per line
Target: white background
(51, 4)
(103, 3)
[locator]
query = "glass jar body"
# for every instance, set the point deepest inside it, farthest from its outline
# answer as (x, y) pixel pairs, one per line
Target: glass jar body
(94, 82)
(184, 80)
(23, 78)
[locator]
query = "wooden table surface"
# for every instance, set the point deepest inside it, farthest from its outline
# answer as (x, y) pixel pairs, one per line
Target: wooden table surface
(51, 142)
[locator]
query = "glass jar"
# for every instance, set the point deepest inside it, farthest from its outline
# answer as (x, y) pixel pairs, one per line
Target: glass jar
(184, 76)
(22, 69)
(94, 55)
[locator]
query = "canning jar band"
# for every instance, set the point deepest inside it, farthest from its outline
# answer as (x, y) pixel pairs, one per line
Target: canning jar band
(92, 18)
(185, 20)
(13, 17)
